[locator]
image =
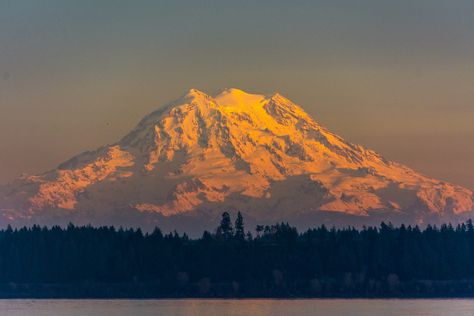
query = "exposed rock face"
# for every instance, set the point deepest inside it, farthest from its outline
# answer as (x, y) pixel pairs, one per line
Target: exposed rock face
(204, 154)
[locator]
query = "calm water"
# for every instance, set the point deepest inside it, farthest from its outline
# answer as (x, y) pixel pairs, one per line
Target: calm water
(237, 307)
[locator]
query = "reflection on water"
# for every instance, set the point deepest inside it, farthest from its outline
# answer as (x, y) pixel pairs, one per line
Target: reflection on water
(237, 307)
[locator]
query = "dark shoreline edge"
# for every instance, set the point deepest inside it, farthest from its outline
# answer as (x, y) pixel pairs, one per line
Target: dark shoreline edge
(141, 292)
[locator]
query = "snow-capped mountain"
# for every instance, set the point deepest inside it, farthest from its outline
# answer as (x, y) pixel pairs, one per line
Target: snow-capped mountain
(203, 154)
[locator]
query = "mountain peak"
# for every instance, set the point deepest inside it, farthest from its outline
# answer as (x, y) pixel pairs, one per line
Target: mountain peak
(237, 98)
(234, 91)
(194, 93)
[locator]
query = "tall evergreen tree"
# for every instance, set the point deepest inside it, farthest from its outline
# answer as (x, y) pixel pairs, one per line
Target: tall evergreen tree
(239, 227)
(225, 229)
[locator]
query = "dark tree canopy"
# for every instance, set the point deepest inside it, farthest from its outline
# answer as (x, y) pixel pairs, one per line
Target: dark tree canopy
(278, 261)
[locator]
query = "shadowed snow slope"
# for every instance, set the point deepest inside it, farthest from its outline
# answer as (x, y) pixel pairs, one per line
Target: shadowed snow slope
(203, 154)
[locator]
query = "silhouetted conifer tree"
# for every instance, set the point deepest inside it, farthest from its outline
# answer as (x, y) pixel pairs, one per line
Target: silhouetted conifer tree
(225, 229)
(239, 227)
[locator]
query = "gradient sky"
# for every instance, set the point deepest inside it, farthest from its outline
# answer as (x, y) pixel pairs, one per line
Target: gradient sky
(396, 76)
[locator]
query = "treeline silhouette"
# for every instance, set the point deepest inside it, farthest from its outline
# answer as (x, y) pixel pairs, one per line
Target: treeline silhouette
(274, 261)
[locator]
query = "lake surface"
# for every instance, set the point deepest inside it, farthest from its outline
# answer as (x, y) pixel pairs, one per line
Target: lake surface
(237, 307)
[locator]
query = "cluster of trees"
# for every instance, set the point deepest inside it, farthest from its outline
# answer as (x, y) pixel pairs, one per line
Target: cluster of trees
(275, 261)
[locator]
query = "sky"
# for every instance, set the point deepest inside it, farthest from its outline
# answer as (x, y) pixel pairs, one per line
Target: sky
(394, 76)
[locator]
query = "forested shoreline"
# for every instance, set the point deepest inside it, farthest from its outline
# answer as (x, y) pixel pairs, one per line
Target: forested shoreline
(274, 261)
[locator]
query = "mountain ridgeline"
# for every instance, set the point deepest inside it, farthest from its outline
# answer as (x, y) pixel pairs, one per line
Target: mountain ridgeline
(261, 155)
